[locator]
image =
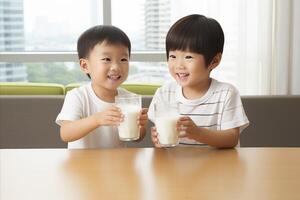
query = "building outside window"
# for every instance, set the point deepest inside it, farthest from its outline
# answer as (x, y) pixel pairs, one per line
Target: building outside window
(12, 38)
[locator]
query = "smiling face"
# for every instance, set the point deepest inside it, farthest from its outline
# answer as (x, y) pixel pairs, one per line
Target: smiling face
(189, 69)
(107, 65)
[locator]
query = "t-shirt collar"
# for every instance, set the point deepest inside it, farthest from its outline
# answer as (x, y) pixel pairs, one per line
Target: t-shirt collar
(95, 97)
(204, 98)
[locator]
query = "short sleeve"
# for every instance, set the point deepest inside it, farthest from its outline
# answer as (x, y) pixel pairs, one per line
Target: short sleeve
(72, 108)
(157, 97)
(233, 114)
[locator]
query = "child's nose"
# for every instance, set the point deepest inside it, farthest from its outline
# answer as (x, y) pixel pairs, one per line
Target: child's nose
(114, 66)
(180, 64)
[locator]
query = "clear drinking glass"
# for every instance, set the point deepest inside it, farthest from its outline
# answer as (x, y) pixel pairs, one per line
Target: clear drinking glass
(130, 106)
(166, 116)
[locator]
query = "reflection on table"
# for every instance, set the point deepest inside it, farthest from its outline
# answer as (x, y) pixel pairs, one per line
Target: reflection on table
(148, 173)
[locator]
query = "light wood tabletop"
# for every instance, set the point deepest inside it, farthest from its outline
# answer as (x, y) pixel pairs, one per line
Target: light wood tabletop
(151, 174)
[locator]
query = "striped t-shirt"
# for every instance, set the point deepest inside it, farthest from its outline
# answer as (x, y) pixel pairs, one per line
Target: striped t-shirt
(219, 109)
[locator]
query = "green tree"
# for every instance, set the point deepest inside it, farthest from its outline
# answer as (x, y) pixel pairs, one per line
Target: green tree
(54, 73)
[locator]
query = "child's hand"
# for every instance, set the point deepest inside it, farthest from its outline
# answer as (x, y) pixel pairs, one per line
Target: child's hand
(111, 116)
(143, 117)
(142, 123)
(186, 127)
(154, 137)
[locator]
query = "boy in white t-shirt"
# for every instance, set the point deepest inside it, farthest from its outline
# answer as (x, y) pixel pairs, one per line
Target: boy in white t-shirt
(211, 111)
(89, 118)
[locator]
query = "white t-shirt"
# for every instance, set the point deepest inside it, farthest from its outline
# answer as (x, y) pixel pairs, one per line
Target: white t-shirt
(82, 102)
(219, 109)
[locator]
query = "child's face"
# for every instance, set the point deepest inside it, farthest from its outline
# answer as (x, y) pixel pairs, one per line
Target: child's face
(189, 69)
(107, 65)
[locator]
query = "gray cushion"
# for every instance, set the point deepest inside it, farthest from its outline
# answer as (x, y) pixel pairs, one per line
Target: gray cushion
(273, 120)
(28, 121)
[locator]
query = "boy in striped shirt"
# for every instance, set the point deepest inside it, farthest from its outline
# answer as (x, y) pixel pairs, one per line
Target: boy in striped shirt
(211, 111)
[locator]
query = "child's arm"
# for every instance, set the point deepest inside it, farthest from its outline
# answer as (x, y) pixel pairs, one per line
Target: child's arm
(74, 130)
(221, 139)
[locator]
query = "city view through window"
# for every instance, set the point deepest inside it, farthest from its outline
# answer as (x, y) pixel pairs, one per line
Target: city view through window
(55, 25)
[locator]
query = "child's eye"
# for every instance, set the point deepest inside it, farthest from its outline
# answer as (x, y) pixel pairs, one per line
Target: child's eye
(124, 60)
(172, 56)
(105, 59)
(188, 57)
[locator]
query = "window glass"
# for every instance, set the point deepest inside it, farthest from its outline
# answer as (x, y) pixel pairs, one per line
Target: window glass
(54, 72)
(54, 25)
(148, 72)
(48, 25)
(69, 72)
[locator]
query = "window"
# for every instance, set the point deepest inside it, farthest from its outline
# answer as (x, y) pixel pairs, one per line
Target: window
(46, 34)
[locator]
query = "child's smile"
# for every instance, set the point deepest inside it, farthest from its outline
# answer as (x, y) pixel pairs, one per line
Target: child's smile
(114, 77)
(182, 76)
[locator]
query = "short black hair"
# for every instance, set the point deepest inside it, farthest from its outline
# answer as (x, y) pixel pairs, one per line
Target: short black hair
(197, 34)
(97, 34)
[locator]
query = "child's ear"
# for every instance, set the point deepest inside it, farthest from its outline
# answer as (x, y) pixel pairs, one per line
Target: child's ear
(84, 65)
(215, 61)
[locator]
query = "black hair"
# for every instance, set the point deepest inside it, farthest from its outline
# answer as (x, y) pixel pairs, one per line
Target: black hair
(98, 34)
(197, 34)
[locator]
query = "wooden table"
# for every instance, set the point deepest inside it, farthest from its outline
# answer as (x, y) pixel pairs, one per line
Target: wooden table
(151, 174)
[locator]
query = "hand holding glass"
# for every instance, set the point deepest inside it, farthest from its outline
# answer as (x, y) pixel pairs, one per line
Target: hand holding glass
(130, 107)
(166, 116)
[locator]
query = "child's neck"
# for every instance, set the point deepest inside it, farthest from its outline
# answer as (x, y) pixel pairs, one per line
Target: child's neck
(105, 94)
(196, 92)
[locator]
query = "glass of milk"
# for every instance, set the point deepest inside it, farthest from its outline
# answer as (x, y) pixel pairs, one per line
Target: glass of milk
(130, 107)
(166, 116)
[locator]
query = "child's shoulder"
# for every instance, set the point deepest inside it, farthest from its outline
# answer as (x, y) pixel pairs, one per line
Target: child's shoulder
(80, 91)
(169, 86)
(81, 88)
(220, 86)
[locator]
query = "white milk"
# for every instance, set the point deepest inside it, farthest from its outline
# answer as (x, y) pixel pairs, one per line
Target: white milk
(129, 129)
(166, 129)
